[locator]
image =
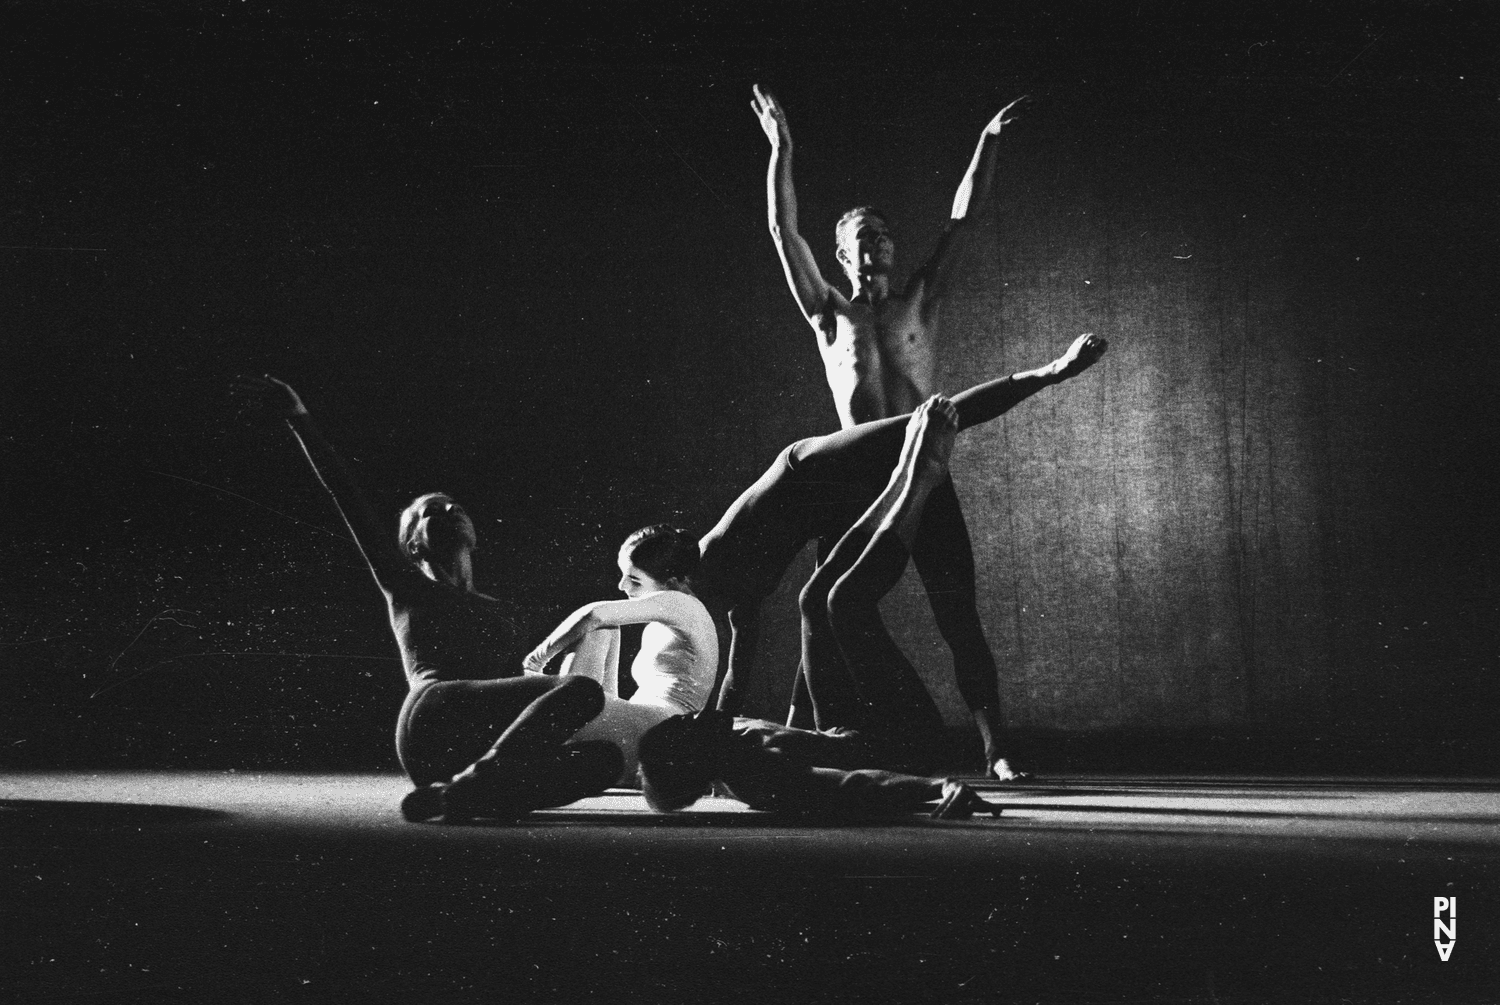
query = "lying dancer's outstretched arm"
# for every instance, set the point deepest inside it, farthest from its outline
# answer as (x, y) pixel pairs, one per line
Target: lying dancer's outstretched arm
(275, 398)
(668, 607)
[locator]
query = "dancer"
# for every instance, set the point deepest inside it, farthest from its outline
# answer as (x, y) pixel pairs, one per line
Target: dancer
(879, 349)
(863, 680)
(818, 488)
(509, 742)
(679, 655)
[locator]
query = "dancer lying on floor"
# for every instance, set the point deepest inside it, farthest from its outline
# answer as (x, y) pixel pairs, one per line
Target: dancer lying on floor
(815, 491)
(510, 742)
(862, 677)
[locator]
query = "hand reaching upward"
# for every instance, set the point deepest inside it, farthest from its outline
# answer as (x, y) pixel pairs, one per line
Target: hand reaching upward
(268, 396)
(993, 128)
(772, 118)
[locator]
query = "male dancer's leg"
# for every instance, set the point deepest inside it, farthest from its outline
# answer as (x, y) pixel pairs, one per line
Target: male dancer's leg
(944, 559)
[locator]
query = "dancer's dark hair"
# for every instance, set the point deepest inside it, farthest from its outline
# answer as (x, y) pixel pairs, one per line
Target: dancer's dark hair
(663, 552)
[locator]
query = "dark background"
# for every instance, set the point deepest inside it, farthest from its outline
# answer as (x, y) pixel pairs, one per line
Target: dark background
(521, 256)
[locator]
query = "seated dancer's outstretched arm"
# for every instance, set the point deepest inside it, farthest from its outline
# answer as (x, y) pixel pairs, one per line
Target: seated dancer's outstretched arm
(665, 606)
(276, 398)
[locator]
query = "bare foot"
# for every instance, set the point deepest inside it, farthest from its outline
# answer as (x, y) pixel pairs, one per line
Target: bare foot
(914, 426)
(929, 437)
(1001, 770)
(1082, 354)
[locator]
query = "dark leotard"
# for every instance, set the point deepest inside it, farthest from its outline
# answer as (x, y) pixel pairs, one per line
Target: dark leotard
(459, 648)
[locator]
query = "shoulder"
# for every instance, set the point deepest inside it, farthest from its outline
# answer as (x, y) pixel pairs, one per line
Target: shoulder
(675, 599)
(684, 606)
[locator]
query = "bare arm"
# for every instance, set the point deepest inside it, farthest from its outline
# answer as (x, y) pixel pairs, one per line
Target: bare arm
(666, 607)
(273, 397)
(802, 275)
(973, 192)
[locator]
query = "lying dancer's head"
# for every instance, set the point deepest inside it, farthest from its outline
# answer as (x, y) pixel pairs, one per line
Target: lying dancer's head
(680, 757)
(864, 244)
(435, 530)
(657, 558)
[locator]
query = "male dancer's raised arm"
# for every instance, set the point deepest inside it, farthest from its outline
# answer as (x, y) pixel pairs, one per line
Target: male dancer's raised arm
(802, 275)
(936, 275)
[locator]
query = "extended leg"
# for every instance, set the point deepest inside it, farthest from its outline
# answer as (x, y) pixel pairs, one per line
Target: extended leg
(874, 446)
(531, 765)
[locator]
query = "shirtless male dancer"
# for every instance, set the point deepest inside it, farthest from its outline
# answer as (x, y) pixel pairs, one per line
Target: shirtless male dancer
(879, 355)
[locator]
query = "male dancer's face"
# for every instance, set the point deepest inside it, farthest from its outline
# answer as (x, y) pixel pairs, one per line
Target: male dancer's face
(865, 246)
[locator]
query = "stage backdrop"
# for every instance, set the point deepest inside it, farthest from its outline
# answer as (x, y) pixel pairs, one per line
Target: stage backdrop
(529, 266)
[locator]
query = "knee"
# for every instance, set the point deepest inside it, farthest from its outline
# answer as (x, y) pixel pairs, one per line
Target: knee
(847, 604)
(815, 597)
(743, 615)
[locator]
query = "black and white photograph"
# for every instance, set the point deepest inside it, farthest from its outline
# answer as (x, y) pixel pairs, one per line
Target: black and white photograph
(822, 502)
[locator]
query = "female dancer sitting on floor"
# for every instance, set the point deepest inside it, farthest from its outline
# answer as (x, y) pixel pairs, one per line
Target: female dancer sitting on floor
(559, 738)
(679, 655)
(862, 677)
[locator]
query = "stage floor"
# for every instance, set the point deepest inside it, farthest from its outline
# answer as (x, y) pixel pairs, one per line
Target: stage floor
(185, 886)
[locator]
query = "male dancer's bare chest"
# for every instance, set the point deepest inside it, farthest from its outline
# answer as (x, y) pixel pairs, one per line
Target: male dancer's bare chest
(879, 361)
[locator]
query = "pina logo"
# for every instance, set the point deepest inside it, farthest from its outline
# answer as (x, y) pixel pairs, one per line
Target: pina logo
(1445, 929)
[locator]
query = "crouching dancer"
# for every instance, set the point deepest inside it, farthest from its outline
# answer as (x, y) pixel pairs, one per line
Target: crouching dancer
(857, 674)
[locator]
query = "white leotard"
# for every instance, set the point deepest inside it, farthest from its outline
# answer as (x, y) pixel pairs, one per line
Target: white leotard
(674, 670)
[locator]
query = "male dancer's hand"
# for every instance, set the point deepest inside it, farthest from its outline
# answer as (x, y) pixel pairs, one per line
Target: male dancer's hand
(773, 119)
(268, 396)
(1082, 354)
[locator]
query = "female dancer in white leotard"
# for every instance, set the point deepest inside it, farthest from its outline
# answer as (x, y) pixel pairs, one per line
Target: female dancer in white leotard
(679, 655)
